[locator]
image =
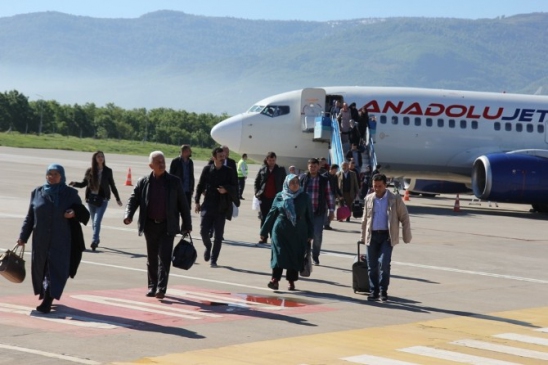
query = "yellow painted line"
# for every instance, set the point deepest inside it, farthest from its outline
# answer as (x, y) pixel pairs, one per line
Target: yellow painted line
(389, 343)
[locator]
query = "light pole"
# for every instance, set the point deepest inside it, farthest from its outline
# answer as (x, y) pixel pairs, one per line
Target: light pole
(41, 114)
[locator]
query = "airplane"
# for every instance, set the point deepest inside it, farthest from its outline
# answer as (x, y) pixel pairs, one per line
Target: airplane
(495, 144)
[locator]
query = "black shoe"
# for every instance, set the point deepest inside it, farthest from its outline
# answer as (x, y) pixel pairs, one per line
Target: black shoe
(242, 198)
(94, 245)
(328, 228)
(316, 261)
(160, 295)
(348, 219)
(44, 308)
(384, 297)
(213, 263)
(373, 296)
(273, 284)
(291, 285)
(151, 293)
(207, 255)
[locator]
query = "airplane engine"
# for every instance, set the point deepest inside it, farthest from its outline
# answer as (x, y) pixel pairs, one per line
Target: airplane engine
(433, 187)
(511, 177)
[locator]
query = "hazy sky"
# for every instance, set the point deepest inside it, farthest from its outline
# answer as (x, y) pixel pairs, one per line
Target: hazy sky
(316, 10)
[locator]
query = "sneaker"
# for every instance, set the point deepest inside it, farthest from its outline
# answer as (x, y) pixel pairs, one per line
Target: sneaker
(316, 261)
(213, 264)
(273, 284)
(384, 297)
(373, 296)
(207, 255)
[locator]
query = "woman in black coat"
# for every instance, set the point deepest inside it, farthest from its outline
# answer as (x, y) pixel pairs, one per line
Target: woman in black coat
(98, 182)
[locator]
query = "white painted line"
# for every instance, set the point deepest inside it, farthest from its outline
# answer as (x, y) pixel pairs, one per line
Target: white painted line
(454, 356)
(147, 307)
(479, 273)
(502, 349)
(226, 300)
(50, 354)
(78, 321)
(545, 330)
(523, 338)
(374, 360)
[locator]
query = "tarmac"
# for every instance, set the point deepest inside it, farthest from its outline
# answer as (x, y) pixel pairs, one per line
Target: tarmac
(469, 288)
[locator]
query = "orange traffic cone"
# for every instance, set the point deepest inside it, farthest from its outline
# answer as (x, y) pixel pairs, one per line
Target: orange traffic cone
(456, 208)
(406, 196)
(128, 179)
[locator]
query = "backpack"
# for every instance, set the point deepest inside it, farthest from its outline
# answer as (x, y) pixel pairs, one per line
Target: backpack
(184, 254)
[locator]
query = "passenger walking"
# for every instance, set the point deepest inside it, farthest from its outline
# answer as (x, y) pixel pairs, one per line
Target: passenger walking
(98, 181)
(183, 167)
(344, 118)
(242, 174)
(291, 227)
(219, 186)
(161, 201)
(373, 128)
(318, 188)
(383, 213)
(348, 185)
(55, 210)
(337, 194)
(269, 182)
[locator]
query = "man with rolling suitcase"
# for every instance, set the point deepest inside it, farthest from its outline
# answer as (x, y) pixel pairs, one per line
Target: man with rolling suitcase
(383, 213)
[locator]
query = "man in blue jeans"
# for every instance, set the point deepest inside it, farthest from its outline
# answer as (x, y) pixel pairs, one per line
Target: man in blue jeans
(317, 187)
(383, 213)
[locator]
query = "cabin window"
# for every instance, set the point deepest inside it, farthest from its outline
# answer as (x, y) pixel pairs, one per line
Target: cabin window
(406, 120)
(463, 124)
(508, 127)
(274, 111)
(394, 120)
(497, 126)
(474, 124)
(519, 127)
(383, 119)
(440, 123)
(429, 122)
(418, 121)
(540, 128)
(530, 128)
(451, 123)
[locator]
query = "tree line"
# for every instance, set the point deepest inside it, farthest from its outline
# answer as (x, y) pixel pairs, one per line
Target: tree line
(162, 125)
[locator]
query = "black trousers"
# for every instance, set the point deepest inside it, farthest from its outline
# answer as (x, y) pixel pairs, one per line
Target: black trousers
(290, 275)
(266, 204)
(159, 251)
(241, 184)
(216, 222)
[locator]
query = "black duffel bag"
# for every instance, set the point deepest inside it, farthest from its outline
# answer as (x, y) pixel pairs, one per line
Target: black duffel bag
(357, 209)
(184, 254)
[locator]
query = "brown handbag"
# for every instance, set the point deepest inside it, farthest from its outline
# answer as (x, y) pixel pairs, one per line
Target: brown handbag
(12, 265)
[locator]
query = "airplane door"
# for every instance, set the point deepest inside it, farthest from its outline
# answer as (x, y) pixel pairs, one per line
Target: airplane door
(312, 106)
(546, 130)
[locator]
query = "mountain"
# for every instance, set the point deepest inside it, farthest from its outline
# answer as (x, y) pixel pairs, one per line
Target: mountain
(212, 64)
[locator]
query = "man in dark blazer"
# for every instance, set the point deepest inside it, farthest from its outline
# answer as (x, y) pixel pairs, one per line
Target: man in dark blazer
(161, 201)
(183, 168)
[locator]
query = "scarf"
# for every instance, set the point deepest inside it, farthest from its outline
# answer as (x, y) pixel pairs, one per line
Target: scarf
(288, 196)
(52, 190)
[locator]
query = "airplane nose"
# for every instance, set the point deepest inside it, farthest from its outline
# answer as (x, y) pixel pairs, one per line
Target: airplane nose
(229, 132)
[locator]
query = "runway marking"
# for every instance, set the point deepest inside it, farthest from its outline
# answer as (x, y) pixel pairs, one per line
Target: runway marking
(523, 338)
(481, 345)
(375, 360)
(73, 320)
(147, 307)
(50, 354)
(454, 356)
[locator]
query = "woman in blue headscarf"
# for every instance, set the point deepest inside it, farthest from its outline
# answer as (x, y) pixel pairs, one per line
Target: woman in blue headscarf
(290, 223)
(51, 207)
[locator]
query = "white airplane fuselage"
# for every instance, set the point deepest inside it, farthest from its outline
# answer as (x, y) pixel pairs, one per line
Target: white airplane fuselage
(423, 133)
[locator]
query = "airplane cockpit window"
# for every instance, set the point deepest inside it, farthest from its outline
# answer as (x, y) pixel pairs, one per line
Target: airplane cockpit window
(255, 109)
(508, 127)
(418, 121)
(519, 127)
(394, 120)
(451, 123)
(405, 120)
(540, 128)
(429, 122)
(275, 110)
(530, 128)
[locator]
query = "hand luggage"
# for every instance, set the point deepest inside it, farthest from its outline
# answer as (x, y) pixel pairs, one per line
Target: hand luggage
(357, 209)
(360, 275)
(184, 254)
(343, 212)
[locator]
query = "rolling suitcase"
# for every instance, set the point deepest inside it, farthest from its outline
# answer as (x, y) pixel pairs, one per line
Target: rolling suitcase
(357, 209)
(360, 275)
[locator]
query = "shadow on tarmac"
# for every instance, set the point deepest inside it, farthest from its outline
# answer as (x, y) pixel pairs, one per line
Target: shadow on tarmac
(466, 211)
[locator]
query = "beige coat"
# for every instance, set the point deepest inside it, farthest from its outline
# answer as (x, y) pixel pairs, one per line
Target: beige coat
(397, 212)
(354, 184)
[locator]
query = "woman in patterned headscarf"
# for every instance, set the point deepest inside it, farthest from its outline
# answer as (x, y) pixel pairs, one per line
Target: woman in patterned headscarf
(290, 222)
(51, 207)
